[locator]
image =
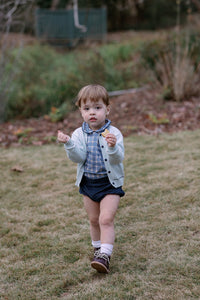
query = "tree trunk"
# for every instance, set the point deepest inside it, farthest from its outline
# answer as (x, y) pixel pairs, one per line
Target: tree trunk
(54, 4)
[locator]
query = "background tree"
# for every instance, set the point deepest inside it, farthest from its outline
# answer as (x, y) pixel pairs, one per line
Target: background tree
(196, 4)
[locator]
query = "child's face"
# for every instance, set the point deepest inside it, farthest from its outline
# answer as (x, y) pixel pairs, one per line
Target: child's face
(94, 113)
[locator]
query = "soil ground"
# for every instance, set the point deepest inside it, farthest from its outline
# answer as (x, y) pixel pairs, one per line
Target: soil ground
(142, 112)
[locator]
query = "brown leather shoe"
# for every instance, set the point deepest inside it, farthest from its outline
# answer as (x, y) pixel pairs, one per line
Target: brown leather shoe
(97, 251)
(101, 263)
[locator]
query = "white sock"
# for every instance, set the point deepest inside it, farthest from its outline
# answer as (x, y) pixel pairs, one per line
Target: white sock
(96, 244)
(107, 248)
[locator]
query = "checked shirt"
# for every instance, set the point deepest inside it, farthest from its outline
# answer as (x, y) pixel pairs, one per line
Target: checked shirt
(94, 165)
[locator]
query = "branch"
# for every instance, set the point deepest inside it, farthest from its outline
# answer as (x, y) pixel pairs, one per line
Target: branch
(128, 91)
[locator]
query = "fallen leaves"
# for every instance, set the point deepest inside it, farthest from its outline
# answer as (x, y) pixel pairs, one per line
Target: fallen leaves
(160, 119)
(17, 169)
(140, 113)
(22, 132)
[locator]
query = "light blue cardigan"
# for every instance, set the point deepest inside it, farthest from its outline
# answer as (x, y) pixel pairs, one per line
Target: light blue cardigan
(113, 156)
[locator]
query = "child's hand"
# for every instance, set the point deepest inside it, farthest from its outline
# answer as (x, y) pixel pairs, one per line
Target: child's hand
(111, 139)
(62, 138)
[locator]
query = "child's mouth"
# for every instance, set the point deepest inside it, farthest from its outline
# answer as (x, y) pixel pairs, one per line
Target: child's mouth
(93, 119)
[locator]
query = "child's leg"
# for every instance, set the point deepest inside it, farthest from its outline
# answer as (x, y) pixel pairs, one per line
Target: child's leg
(108, 209)
(93, 210)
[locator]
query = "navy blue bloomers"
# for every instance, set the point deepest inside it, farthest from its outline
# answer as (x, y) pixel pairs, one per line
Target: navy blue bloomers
(97, 189)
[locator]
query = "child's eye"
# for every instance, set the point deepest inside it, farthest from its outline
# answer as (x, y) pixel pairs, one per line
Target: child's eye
(86, 108)
(98, 107)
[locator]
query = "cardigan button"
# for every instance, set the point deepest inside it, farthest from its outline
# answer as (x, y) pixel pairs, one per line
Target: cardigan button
(102, 146)
(109, 172)
(105, 159)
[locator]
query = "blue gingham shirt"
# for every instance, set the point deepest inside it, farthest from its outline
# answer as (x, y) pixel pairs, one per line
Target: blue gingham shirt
(94, 165)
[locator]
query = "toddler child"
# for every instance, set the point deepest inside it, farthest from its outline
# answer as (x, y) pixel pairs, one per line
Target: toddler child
(100, 172)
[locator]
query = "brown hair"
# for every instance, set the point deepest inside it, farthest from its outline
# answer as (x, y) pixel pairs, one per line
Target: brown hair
(93, 92)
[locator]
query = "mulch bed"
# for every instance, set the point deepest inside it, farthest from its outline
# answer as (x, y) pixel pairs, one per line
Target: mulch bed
(139, 113)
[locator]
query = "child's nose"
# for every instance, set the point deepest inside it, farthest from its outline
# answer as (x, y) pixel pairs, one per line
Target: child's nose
(92, 111)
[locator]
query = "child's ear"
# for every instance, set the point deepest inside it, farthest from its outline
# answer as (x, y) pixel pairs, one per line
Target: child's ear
(108, 110)
(80, 111)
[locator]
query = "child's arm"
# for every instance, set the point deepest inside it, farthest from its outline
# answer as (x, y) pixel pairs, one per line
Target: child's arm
(75, 146)
(111, 139)
(115, 147)
(62, 138)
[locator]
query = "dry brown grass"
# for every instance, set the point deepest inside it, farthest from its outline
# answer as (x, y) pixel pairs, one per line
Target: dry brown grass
(44, 231)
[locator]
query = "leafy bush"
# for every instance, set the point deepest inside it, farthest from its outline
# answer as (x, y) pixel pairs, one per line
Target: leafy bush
(39, 83)
(45, 78)
(114, 54)
(58, 114)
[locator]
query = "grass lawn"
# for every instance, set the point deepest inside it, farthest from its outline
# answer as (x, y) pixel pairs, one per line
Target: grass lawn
(44, 232)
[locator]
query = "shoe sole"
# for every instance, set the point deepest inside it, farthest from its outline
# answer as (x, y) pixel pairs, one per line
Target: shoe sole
(99, 267)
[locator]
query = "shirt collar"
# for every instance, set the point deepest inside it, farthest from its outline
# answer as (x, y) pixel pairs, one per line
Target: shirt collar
(87, 129)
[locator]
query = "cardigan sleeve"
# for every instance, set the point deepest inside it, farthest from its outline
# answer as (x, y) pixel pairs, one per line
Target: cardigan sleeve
(116, 153)
(76, 147)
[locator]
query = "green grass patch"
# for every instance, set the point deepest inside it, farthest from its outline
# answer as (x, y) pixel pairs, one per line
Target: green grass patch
(44, 231)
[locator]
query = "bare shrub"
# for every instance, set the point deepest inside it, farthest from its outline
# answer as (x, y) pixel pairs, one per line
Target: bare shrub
(177, 74)
(184, 75)
(175, 65)
(175, 60)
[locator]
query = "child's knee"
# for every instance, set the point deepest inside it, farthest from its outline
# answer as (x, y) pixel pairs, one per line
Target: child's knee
(94, 221)
(105, 220)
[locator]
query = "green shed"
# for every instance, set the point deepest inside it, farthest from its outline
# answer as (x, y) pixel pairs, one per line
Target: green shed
(60, 26)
